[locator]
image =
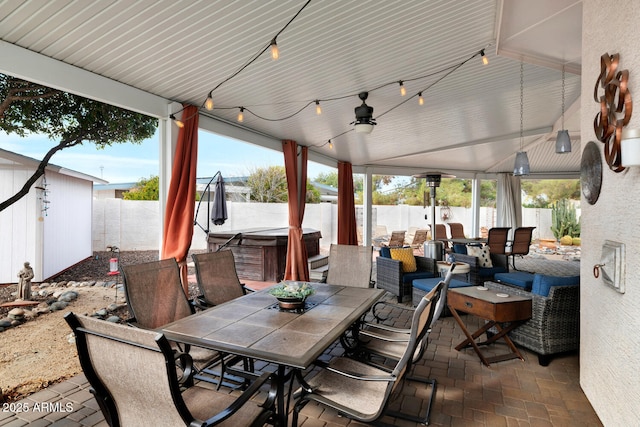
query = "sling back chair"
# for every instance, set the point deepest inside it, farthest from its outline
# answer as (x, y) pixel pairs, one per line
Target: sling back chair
(217, 277)
(350, 265)
(497, 239)
(521, 243)
(155, 297)
(396, 240)
(133, 378)
(456, 230)
(418, 239)
(359, 390)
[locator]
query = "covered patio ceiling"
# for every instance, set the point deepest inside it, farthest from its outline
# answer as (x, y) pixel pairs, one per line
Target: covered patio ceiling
(153, 55)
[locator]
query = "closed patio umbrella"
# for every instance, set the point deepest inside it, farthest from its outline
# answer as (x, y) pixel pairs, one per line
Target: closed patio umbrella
(219, 211)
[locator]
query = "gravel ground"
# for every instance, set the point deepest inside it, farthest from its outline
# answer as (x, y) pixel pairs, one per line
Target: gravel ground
(95, 269)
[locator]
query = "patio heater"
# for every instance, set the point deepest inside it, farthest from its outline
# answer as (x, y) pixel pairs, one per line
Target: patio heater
(434, 248)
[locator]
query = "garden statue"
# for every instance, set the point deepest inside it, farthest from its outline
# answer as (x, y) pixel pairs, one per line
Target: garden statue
(24, 283)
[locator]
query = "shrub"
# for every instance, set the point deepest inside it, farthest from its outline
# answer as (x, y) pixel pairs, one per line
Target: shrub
(563, 220)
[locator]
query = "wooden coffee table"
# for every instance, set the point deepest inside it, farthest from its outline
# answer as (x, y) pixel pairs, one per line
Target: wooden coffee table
(491, 306)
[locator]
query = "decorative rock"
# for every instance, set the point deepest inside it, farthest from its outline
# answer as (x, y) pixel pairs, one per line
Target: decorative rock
(41, 310)
(113, 319)
(44, 292)
(101, 283)
(68, 296)
(71, 338)
(16, 314)
(5, 323)
(44, 285)
(58, 305)
(91, 283)
(73, 284)
(16, 322)
(57, 293)
(30, 314)
(101, 312)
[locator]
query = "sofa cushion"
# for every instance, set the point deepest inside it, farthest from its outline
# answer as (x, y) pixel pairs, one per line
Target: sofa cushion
(491, 272)
(459, 248)
(542, 283)
(517, 278)
(483, 255)
(385, 252)
(410, 277)
(405, 255)
(428, 284)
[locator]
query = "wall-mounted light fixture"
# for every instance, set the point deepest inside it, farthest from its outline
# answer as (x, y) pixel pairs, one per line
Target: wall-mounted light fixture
(630, 147)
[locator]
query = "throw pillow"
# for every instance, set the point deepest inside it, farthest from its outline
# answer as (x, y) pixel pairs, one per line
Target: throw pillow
(405, 255)
(483, 255)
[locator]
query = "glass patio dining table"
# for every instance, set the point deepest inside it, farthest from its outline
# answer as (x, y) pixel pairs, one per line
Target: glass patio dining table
(254, 326)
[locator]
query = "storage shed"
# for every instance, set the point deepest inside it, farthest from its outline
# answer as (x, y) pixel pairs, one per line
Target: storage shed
(51, 226)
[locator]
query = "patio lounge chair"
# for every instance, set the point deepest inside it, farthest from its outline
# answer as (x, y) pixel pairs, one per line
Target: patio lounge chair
(132, 375)
(359, 390)
(396, 240)
(390, 274)
(419, 238)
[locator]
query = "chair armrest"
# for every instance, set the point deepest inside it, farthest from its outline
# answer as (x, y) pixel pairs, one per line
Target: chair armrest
(426, 264)
(393, 337)
(247, 289)
(355, 375)
(467, 259)
(245, 397)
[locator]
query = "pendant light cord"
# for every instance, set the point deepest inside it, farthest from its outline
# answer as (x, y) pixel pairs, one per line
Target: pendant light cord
(521, 105)
(562, 96)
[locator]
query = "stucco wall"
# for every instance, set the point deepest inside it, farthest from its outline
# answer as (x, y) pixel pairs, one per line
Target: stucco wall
(609, 344)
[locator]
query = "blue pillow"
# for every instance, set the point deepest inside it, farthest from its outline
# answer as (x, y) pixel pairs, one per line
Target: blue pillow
(385, 252)
(459, 248)
(542, 284)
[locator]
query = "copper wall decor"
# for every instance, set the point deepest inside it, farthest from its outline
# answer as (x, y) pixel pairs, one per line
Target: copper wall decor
(591, 172)
(615, 101)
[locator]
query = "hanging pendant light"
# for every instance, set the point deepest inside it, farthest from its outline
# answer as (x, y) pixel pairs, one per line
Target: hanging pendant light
(563, 141)
(521, 166)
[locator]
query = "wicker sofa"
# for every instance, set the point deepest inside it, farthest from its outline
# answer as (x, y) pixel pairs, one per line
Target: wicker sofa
(555, 321)
(389, 275)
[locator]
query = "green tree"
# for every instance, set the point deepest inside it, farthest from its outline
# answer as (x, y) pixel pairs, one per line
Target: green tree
(269, 185)
(27, 107)
(145, 189)
(543, 193)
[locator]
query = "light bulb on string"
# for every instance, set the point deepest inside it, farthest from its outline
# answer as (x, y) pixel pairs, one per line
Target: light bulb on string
(318, 107)
(176, 121)
(420, 99)
(330, 145)
(241, 115)
(403, 90)
(208, 104)
(485, 60)
(275, 52)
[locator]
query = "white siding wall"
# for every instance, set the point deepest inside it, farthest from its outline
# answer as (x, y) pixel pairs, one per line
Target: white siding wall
(50, 241)
(609, 325)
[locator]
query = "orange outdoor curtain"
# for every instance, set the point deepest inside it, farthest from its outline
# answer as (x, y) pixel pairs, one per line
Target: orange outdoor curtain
(178, 223)
(347, 231)
(296, 266)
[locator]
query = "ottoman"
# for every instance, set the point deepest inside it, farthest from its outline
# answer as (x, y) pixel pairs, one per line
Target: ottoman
(423, 286)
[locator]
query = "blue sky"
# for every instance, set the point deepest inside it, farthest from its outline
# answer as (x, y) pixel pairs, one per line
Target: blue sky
(130, 162)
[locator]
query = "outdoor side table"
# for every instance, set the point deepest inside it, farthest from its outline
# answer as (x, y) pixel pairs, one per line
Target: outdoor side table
(461, 268)
(497, 309)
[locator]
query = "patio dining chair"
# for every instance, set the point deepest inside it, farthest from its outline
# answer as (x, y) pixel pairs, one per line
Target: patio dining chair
(456, 230)
(155, 297)
(131, 374)
(520, 244)
(359, 390)
(350, 265)
(217, 277)
(497, 239)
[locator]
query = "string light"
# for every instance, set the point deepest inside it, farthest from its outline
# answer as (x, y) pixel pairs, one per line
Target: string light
(275, 52)
(176, 121)
(485, 60)
(420, 99)
(403, 90)
(241, 115)
(330, 145)
(208, 104)
(318, 107)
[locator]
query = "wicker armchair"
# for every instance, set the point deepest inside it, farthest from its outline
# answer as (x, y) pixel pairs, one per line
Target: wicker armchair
(389, 275)
(554, 324)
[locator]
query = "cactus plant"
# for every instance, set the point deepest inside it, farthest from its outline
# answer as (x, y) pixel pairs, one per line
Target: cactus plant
(566, 240)
(563, 220)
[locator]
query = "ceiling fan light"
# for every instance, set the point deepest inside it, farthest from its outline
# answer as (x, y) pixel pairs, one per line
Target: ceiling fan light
(521, 166)
(364, 127)
(563, 142)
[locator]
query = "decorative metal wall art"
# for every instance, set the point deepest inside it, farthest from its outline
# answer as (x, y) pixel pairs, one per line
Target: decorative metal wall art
(615, 101)
(591, 172)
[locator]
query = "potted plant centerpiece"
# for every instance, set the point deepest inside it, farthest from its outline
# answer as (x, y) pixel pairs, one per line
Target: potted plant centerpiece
(291, 295)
